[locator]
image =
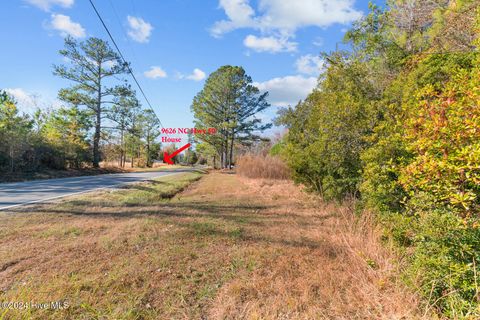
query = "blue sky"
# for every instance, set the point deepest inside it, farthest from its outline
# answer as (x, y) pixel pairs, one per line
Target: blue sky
(173, 45)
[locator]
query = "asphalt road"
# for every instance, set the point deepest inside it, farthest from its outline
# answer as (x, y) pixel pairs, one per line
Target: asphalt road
(21, 193)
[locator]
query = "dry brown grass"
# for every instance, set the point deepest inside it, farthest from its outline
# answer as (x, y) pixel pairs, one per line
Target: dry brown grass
(323, 263)
(227, 247)
(128, 165)
(258, 166)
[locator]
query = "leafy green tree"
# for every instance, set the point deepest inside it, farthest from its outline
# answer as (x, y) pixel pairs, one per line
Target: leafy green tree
(90, 65)
(133, 138)
(395, 121)
(150, 126)
(452, 27)
(66, 130)
(207, 153)
(327, 131)
(15, 133)
(190, 157)
(125, 106)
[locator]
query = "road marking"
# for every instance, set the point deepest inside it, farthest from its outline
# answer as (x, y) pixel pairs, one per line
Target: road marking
(80, 192)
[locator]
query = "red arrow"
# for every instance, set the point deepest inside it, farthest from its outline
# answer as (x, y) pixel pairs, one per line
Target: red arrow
(168, 157)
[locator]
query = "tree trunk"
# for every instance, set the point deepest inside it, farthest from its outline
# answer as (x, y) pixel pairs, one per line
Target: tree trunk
(11, 157)
(96, 138)
(96, 142)
(221, 156)
(225, 150)
(133, 155)
(231, 149)
(148, 150)
(121, 149)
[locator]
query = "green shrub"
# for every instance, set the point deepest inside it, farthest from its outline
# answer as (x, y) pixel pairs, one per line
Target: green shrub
(397, 124)
(327, 130)
(442, 132)
(423, 165)
(446, 263)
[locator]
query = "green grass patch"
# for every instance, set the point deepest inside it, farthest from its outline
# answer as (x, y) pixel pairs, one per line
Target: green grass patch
(60, 232)
(145, 193)
(157, 190)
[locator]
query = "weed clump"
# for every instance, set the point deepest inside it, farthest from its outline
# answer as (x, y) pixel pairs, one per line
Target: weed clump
(267, 167)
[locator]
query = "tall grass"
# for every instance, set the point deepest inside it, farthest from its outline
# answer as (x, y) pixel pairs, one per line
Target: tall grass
(259, 166)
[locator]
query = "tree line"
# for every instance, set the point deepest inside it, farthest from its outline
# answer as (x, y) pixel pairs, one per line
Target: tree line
(395, 123)
(100, 118)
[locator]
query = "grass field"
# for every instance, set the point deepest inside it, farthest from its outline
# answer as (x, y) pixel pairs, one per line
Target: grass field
(222, 247)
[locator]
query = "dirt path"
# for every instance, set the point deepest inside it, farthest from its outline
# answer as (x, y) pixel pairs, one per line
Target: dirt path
(225, 248)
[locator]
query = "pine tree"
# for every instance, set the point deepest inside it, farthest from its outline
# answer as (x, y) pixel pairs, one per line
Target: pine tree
(229, 102)
(150, 131)
(125, 105)
(91, 63)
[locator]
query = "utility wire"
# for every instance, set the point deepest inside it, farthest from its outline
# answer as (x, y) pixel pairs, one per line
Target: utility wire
(123, 31)
(134, 8)
(125, 62)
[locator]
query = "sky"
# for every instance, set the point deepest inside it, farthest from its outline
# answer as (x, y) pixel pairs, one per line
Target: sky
(173, 45)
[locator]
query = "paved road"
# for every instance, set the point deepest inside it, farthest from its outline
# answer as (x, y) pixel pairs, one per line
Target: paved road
(21, 193)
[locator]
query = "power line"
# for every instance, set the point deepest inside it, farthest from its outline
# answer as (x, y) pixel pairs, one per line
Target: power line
(123, 31)
(125, 62)
(133, 6)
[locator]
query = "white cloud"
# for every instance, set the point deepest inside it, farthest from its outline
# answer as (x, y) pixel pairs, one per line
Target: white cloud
(139, 29)
(239, 13)
(66, 26)
(28, 102)
(284, 17)
(290, 15)
(23, 99)
(197, 75)
(269, 44)
(310, 64)
(47, 4)
(155, 73)
(287, 90)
